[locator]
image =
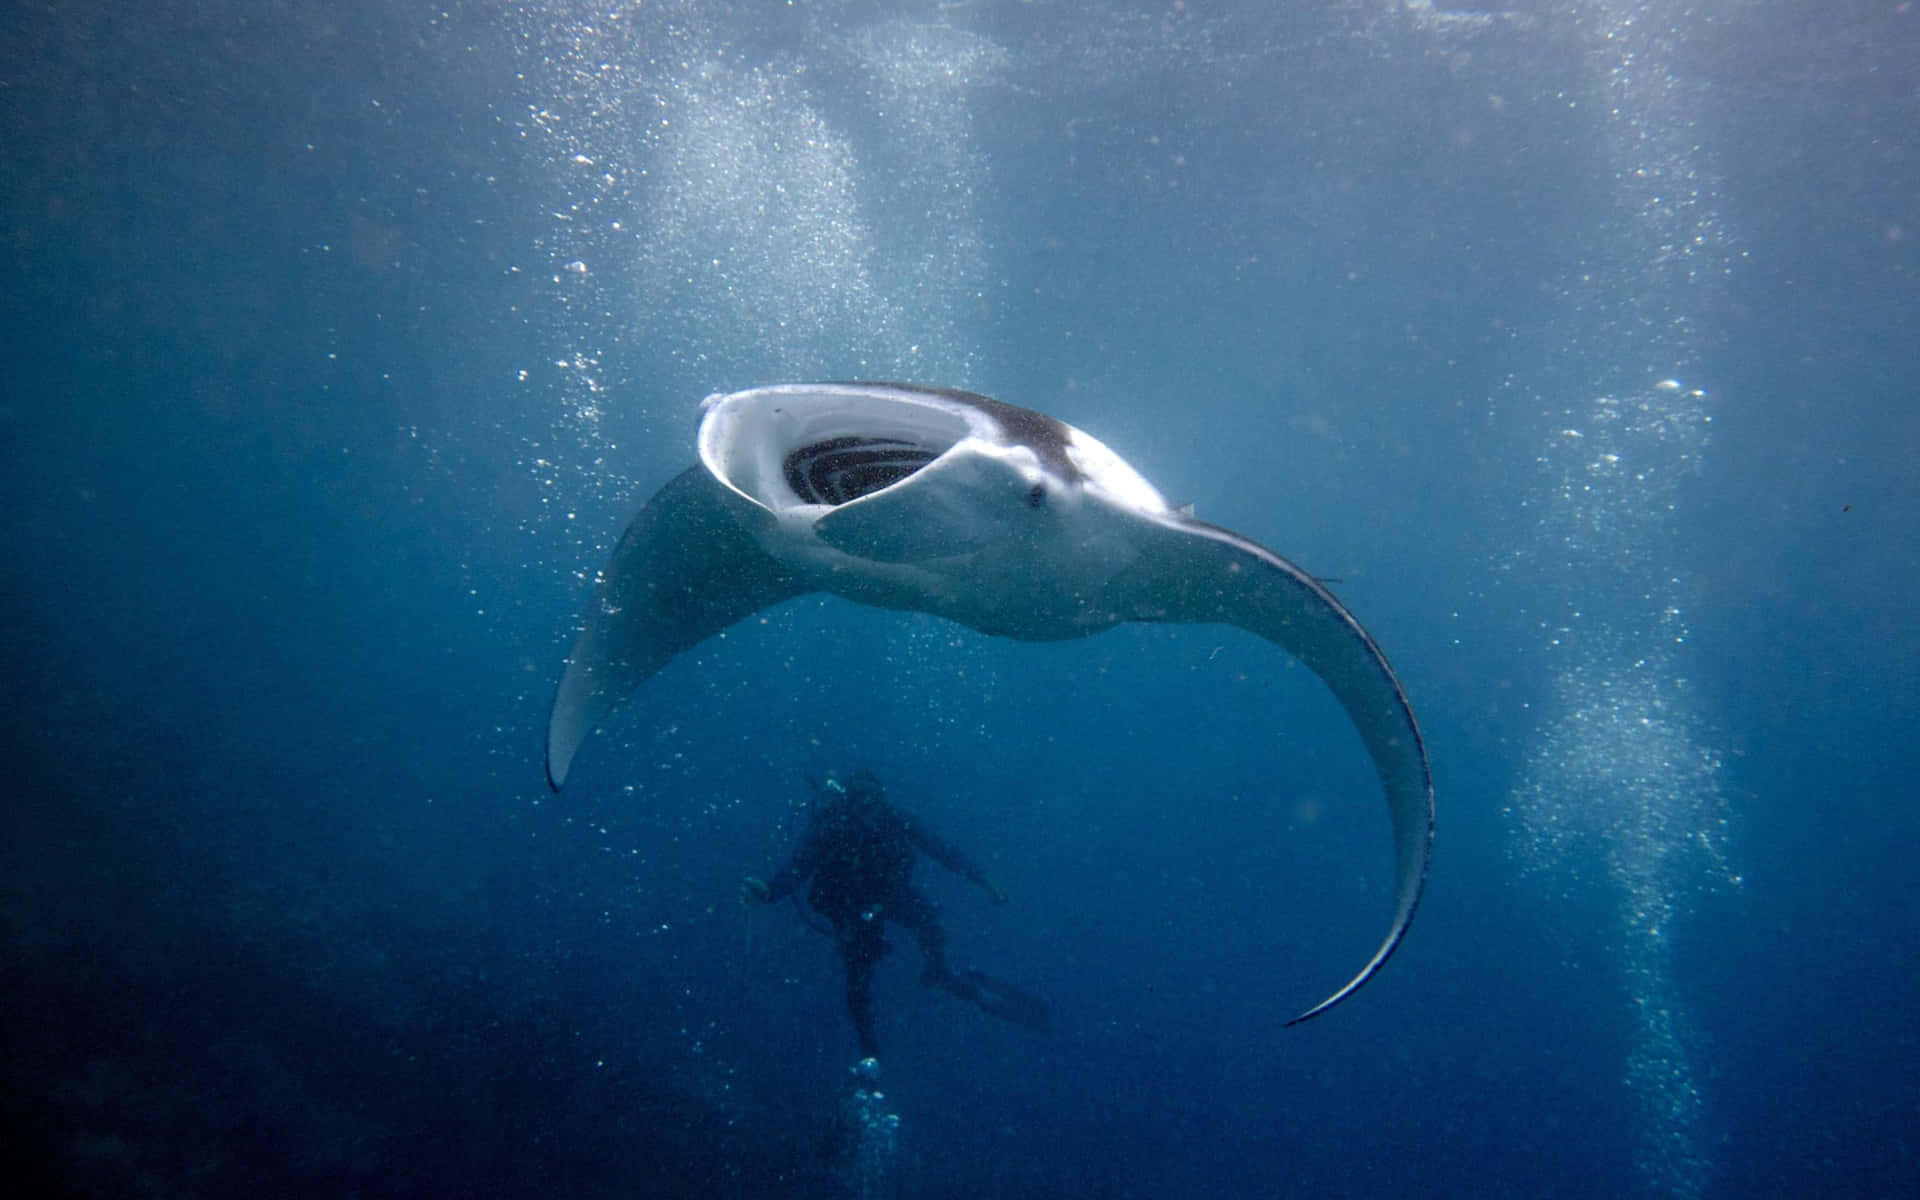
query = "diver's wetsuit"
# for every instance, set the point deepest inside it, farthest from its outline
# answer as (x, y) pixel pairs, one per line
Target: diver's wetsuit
(858, 851)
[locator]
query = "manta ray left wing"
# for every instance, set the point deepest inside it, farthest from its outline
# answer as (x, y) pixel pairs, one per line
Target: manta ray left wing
(684, 570)
(1190, 572)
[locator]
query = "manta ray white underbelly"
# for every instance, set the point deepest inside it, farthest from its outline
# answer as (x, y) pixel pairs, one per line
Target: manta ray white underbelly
(998, 517)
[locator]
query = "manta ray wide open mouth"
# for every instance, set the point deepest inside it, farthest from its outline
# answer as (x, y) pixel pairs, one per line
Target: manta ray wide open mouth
(840, 469)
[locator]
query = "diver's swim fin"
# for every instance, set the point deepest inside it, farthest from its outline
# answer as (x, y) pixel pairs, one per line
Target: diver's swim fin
(1002, 999)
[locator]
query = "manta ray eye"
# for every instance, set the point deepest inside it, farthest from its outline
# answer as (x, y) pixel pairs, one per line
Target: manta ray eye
(840, 469)
(1037, 495)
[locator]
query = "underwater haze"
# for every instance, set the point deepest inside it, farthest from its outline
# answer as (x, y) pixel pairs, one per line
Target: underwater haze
(1574, 343)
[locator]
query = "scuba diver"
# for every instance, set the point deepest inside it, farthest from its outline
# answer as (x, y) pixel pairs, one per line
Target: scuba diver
(858, 852)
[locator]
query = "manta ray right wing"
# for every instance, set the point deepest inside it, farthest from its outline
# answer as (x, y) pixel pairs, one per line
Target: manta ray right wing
(1192, 573)
(684, 570)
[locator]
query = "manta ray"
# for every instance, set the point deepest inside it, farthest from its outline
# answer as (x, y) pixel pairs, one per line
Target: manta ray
(1000, 518)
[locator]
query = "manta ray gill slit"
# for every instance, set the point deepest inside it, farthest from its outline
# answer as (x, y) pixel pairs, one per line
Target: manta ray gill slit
(839, 469)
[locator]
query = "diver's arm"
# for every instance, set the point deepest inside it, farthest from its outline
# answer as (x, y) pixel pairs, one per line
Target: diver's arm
(787, 879)
(949, 856)
(778, 887)
(781, 884)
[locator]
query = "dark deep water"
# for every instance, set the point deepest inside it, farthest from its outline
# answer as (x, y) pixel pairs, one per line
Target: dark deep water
(1578, 342)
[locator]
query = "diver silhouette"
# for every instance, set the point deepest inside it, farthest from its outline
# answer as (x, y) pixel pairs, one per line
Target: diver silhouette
(858, 852)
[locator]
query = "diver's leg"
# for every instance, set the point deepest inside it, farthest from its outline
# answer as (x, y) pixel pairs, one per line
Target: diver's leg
(994, 996)
(861, 952)
(922, 919)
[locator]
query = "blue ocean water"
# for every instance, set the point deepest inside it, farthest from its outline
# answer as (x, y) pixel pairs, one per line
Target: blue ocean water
(1576, 342)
